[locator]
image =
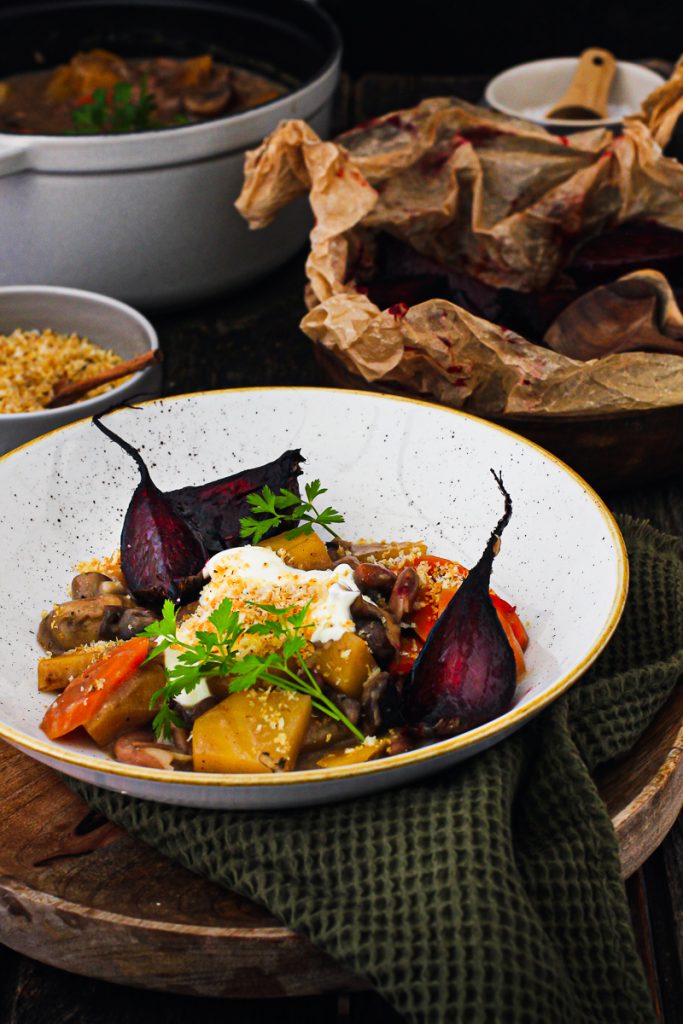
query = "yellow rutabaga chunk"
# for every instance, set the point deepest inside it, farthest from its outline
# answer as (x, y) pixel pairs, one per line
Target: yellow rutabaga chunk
(366, 751)
(128, 706)
(306, 552)
(56, 673)
(345, 663)
(252, 731)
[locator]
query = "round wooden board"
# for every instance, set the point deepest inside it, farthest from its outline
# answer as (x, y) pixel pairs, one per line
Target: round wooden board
(79, 893)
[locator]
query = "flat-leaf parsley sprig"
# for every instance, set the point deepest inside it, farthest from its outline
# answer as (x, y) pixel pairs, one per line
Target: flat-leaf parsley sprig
(213, 654)
(285, 506)
(116, 110)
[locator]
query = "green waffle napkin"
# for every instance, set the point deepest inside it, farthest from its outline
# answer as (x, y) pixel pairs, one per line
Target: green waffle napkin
(491, 891)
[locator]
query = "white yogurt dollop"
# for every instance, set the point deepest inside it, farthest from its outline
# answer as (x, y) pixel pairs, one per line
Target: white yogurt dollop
(254, 574)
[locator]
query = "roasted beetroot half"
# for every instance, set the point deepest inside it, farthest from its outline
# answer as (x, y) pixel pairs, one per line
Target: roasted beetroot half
(465, 673)
(168, 536)
(214, 510)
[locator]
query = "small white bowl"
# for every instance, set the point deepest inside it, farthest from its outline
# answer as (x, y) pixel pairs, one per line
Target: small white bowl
(528, 90)
(104, 321)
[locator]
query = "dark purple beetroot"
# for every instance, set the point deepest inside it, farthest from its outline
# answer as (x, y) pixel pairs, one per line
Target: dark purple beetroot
(160, 552)
(214, 510)
(161, 555)
(465, 673)
(168, 536)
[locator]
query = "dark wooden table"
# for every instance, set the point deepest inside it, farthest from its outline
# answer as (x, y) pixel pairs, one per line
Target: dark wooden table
(253, 339)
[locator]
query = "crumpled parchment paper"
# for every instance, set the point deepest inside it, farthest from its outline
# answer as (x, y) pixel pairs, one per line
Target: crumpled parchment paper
(497, 198)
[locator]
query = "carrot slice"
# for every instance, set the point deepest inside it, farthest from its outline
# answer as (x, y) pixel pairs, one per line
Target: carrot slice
(513, 619)
(85, 695)
(405, 657)
(514, 644)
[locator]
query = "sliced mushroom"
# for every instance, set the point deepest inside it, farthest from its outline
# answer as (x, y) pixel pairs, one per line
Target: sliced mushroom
(140, 748)
(375, 636)
(323, 732)
(186, 610)
(181, 739)
(404, 593)
(75, 623)
(349, 705)
(208, 104)
(373, 690)
(89, 585)
(362, 609)
(191, 713)
(124, 623)
(370, 576)
(166, 106)
(400, 742)
(346, 560)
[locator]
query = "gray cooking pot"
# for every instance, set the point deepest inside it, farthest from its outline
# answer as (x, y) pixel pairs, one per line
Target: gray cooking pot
(148, 217)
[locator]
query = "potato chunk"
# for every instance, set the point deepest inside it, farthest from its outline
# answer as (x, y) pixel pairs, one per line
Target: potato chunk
(128, 706)
(251, 731)
(306, 552)
(345, 663)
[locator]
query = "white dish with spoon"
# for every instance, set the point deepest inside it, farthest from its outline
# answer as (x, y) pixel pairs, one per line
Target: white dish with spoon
(529, 91)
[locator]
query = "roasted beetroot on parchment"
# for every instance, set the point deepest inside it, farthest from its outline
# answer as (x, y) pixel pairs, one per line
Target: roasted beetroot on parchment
(465, 673)
(168, 536)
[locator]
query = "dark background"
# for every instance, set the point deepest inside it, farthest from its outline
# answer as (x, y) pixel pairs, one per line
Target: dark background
(454, 38)
(451, 38)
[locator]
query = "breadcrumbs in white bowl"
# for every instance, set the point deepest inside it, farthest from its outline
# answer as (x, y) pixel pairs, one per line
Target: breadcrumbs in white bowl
(49, 335)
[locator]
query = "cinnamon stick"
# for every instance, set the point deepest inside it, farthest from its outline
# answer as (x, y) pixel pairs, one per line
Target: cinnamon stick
(73, 392)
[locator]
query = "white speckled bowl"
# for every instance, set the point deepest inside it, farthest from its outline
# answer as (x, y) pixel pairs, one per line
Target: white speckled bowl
(104, 321)
(396, 468)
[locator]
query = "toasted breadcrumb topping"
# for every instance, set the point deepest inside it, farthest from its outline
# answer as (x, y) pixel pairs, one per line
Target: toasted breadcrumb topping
(33, 364)
(108, 566)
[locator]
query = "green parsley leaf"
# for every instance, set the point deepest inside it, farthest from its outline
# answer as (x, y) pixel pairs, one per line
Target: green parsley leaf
(214, 655)
(116, 110)
(274, 510)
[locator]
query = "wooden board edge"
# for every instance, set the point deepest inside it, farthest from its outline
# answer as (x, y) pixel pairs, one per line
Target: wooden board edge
(642, 825)
(157, 955)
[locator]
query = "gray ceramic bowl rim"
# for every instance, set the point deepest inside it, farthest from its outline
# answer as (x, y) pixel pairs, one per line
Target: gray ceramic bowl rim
(89, 404)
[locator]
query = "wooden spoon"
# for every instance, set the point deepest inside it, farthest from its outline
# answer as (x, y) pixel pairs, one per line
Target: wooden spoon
(637, 313)
(65, 394)
(586, 97)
